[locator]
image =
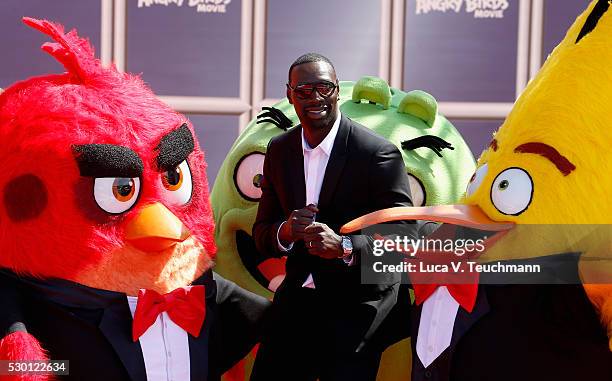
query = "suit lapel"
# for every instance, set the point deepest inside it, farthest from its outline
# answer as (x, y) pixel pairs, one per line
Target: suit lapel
(199, 346)
(294, 168)
(116, 321)
(465, 320)
(198, 354)
(116, 325)
(335, 165)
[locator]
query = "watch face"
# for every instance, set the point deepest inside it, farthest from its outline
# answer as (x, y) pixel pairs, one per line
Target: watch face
(347, 244)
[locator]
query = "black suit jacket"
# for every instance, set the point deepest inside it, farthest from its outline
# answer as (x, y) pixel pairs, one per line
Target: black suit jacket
(524, 332)
(528, 332)
(92, 328)
(365, 172)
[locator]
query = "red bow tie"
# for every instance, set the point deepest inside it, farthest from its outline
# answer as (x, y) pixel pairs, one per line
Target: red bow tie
(463, 285)
(464, 294)
(185, 306)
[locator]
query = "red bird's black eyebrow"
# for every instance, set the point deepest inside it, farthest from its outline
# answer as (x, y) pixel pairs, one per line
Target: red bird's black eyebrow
(561, 162)
(174, 148)
(107, 160)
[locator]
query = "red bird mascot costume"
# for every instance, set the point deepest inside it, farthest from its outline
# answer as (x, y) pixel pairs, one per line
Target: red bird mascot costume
(106, 231)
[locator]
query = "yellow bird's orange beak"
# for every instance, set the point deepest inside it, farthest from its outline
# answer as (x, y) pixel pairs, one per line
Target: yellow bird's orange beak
(469, 216)
(463, 215)
(155, 229)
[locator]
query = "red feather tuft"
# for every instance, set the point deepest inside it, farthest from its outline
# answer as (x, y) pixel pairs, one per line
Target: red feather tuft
(72, 51)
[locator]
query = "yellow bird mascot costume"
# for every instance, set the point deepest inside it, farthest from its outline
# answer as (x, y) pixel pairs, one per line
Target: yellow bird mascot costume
(541, 192)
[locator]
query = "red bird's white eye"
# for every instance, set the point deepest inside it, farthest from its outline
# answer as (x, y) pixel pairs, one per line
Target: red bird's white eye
(177, 182)
(116, 194)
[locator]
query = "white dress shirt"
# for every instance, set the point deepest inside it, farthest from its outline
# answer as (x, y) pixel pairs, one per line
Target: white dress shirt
(165, 348)
(315, 163)
(436, 325)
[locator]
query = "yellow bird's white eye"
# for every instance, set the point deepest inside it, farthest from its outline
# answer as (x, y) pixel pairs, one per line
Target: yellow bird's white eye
(178, 184)
(476, 179)
(512, 191)
(116, 195)
(417, 191)
(248, 176)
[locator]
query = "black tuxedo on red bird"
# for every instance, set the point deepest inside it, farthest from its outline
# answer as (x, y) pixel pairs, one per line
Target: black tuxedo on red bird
(92, 328)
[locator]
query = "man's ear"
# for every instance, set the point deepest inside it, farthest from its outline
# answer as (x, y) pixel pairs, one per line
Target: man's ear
(289, 95)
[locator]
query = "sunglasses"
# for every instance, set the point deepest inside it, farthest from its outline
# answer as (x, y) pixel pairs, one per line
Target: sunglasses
(325, 89)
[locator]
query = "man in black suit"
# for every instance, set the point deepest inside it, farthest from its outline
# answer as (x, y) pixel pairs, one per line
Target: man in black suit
(318, 176)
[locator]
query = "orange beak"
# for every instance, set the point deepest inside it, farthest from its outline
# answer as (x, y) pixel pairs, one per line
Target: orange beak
(463, 215)
(155, 228)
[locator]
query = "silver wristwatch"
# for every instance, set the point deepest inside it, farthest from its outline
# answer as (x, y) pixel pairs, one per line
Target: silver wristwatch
(347, 246)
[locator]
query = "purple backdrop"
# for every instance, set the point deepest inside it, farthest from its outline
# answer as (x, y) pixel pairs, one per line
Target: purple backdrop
(477, 132)
(453, 55)
(457, 57)
(20, 45)
(216, 134)
(558, 16)
(347, 32)
(183, 52)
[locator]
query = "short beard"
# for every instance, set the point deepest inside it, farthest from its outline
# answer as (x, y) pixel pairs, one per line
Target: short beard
(324, 123)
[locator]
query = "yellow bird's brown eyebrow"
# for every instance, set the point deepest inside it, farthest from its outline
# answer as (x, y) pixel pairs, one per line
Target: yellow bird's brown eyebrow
(561, 162)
